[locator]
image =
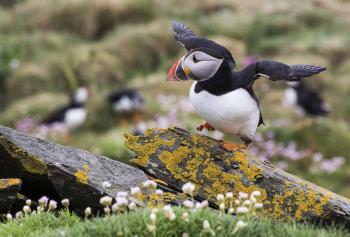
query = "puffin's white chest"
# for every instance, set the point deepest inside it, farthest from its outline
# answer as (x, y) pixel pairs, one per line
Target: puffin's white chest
(234, 113)
(75, 117)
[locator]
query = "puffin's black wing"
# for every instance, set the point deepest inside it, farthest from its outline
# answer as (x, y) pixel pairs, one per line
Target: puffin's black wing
(275, 71)
(57, 116)
(187, 38)
(182, 33)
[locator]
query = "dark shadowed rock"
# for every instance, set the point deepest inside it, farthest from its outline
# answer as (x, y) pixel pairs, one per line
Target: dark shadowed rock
(46, 168)
(8, 191)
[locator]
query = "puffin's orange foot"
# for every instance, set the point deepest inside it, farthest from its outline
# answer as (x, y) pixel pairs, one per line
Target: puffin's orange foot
(233, 147)
(205, 125)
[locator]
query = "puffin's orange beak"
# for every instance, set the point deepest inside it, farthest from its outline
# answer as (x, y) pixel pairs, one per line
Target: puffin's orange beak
(176, 73)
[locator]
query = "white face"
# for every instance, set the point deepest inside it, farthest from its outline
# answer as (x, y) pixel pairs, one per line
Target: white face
(202, 65)
(81, 95)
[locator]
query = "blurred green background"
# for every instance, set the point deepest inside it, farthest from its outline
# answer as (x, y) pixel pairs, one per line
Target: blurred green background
(50, 47)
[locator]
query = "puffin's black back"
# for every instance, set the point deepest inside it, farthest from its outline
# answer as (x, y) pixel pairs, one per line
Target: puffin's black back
(132, 94)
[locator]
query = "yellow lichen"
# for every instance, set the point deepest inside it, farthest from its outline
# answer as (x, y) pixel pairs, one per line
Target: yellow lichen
(192, 161)
(5, 183)
(82, 175)
(31, 164)
(147, 149)
(11, 182)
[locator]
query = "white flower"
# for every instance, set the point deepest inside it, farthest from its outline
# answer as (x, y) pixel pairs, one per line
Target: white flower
(106, 201)
(206, 225)
(220, 197)
(52, 204)
(256, 193)
(9, 216)
(253, 199)
(222, 206)
(242, 210)
(151, 228)
(28, 202)
(154, 210)
(122, 201)
(247, 203)
(19, 214)
(122, 194)
(150, 184)
(188, 188)
(237, 202)
(204, 204)
(258, 206)
(39, 209)
(132, 206)
(168, 213)
(115, 207)
(170, 216)
(242, 195)
(107, 210)
(185, 217)
(106, 184)
(65, 202)
(159, 192)
(185, 234)
(188, 204)
(240, 224)
(26, 209)
(135, 191)
(231, 210)
(229, 195)
(43, 201)
(87, 211)
(153, 217)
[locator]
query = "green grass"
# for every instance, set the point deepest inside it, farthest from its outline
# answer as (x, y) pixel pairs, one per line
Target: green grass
(134, 224)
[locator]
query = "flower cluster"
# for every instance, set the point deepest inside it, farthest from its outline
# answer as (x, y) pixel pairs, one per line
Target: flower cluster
(139, 197)
(44, 205)
(31, 126)
(265, 147)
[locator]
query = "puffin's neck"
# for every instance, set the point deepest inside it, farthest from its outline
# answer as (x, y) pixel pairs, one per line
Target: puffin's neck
(218, 85)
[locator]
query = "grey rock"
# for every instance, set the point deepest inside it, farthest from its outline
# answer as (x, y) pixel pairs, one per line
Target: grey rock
(46, 168)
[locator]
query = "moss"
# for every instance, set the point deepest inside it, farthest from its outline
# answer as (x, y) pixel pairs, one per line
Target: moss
(82, 175)
(30, 163)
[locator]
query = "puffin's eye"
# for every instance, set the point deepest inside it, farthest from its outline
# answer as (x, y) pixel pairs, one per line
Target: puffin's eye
(195, 60)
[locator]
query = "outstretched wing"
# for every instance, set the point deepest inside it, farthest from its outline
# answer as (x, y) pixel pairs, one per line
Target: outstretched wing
(182, 32)
(279, 71)
(299, 71)
(274, 71)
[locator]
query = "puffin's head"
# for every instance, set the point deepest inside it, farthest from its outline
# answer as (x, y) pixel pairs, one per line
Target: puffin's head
(81, 95)
(204, 60)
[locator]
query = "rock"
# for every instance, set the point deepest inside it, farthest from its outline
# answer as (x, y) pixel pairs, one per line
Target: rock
(175, 156)
(58, 172)
(8, 191)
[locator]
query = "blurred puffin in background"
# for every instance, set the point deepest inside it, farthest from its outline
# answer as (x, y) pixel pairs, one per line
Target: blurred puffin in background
(223, 97)
(73, 114)
(306, 100)
(126, 101)
(128, 106)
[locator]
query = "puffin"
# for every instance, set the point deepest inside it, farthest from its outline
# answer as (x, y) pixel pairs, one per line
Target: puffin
(306, 100)
(74, 113)
(125, 101)
(222, 96)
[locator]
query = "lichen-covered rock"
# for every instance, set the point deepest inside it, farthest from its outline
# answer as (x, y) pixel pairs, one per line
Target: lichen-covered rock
(176, 157)
(46, 168)
(8, 191)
